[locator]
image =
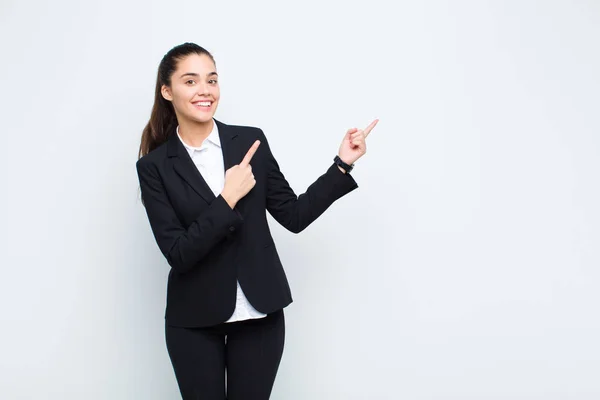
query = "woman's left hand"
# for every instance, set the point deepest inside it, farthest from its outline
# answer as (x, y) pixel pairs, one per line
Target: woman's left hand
(354, 145)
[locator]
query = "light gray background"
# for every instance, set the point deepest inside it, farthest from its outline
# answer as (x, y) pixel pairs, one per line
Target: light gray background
(465, 266)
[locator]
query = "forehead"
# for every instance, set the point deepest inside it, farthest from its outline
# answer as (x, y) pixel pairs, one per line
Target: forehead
(196, 63)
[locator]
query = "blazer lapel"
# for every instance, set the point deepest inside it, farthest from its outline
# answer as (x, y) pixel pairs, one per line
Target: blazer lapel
(185, 167)
(231, 152)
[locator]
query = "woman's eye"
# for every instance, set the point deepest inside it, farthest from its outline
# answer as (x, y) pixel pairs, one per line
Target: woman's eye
(189, 81)
(213, 81)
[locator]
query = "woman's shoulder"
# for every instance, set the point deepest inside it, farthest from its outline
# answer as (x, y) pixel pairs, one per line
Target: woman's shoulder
(246, 130)
(154, 156)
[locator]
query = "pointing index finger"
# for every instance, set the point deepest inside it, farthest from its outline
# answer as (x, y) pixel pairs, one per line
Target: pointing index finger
(250, 154)
(370, 127)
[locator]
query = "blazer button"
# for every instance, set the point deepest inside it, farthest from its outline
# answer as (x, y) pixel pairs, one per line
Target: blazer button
(232, 228)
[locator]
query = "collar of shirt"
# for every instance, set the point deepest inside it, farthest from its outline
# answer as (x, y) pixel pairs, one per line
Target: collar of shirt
(212, 138)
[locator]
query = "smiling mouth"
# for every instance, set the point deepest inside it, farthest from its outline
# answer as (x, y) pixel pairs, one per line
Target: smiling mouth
(203, 104)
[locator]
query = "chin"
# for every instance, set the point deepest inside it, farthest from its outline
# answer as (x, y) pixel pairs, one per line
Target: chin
(202, 119)
(202, 116)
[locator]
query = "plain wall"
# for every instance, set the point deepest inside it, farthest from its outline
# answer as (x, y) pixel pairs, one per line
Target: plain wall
(466, 266)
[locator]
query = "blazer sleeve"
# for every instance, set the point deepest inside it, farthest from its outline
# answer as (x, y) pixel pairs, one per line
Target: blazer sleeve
(293, 212)
(183, 247)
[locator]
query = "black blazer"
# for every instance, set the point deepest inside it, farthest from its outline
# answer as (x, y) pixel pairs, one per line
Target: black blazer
(210, 246)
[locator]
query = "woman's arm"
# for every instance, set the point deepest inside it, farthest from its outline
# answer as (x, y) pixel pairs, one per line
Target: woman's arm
(183, 248)
(295, 213)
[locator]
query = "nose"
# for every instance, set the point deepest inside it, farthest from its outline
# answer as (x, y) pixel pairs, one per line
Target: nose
(203, 89)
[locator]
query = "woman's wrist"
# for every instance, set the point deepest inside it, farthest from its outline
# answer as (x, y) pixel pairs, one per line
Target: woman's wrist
(229, 199)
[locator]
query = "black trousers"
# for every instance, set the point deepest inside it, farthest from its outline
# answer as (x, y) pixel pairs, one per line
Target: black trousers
(249, 350)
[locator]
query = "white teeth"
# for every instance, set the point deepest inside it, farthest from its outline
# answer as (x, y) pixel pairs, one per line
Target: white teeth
(204, 103)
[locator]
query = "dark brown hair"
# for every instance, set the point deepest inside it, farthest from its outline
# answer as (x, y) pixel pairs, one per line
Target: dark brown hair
(163, 119)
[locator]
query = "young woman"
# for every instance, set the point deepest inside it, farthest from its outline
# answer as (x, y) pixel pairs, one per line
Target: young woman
(206, 187)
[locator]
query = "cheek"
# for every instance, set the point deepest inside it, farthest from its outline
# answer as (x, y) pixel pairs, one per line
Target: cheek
(180, 103)
(182, 99)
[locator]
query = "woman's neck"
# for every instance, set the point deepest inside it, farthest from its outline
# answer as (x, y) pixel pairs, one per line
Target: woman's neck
(194, 133)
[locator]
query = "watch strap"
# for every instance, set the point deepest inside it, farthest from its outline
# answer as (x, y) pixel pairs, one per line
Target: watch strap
(346, 167)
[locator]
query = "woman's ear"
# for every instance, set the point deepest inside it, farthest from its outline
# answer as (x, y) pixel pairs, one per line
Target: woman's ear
(166, 93)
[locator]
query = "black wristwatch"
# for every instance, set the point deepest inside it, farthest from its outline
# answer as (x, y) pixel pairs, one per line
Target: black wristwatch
(338, 161)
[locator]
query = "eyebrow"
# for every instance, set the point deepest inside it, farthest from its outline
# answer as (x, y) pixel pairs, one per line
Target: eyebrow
(198, 75)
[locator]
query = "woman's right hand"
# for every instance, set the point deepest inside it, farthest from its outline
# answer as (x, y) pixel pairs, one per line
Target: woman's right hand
(239, 179)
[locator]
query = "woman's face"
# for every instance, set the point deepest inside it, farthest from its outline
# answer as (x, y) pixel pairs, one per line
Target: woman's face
(194, 90)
